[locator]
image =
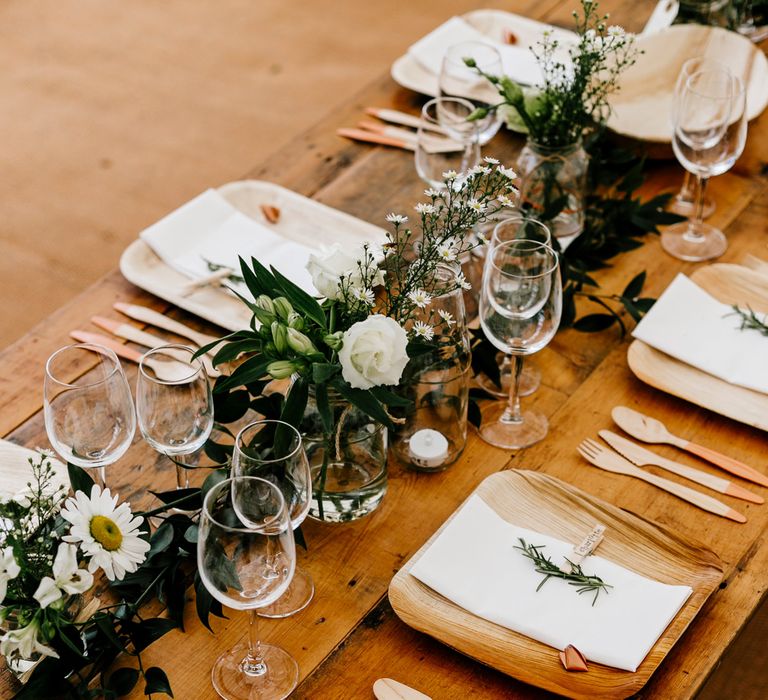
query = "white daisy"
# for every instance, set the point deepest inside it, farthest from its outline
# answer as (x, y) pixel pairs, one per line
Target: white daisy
(423, 330)
(479, 170)
(463, 281)
(420, 298)
(396, 218)
(507, 172)
(616, 31)
(106, 532)
(430, 192)
(447, 316)
(424, 208)
(450, 175)
(490, 160)
(474, 204)
(364, 295)
(446, 252)
(505, 201)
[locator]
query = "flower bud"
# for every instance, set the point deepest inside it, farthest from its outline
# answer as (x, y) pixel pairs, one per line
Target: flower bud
(283, 308)
(334, 340)
(279, 337)
(299, 343)
(281, 369)
(512, 91)
(479, 113)
(265, 304)
(295, 321)
(469, 62)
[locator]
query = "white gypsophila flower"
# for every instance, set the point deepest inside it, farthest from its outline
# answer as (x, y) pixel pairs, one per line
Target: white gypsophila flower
(396, 218)
(462, 281)
(450, 175)
(9, 570)
(373, 352)
(447, 252)
(423, 330)
(67, 577)
(337, 262)
(420, 298)
(425, 208)
(616, 31)
(478, 170)
(24, 643)
(107, 533)
(364, 295)
(492, 161)
(447, 316)
(431, 192)
(507, 172)
(505, 201)
(475, 205)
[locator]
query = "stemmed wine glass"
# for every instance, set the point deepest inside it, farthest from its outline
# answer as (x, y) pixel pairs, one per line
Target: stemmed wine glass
(273, 450)
(515, 227)
(246, 557)
(710, 134)
(456, 79)
(447, 116)
(88, 410)
(175, 417)
(520, 307)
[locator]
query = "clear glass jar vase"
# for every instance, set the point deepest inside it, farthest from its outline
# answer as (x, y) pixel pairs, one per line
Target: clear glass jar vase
(553, 186)
(348, 465)
(432, 431)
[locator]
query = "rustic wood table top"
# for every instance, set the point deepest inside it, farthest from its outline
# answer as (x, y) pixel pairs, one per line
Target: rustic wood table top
(349, 636)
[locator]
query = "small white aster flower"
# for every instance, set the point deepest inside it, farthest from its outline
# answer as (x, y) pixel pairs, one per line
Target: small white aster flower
(474, 204)
(423, 330)
(107, 533)
(447, 316)
(431, 192)
(507, 172)
(463, 281)
(420, 298)
(616, 31)
(505, 201)
(490, 160)
(450, 175)
(424, 208)
(364, 295)
(479, 170)
(446, 252)
(396, 218)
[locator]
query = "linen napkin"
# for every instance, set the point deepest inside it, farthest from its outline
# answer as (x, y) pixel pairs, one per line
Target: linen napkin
(474, 564)
(692, 326)
(517, 61)
(209, 229)
(15, 470)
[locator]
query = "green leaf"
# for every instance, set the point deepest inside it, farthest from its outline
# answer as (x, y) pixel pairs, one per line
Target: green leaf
(148, 631)
(593, 323)
(205, 604)
(191, 534)
(231, 406)
(161, 539)
(323, 371)
(156, 681)
(123, 681)
(251, 370)
(300, 300)
(256, 284)
(107, 628)
(213, 479)
(473, 413)
(364, 400)
(231, 351)
(192, 496)
(645, 304)
(79, 479)
(633, 289)
(389, 398)
(324, 406)
(295, 402)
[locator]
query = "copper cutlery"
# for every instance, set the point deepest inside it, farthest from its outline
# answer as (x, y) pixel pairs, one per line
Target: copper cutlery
(642, 457)
(388, 689)
(155, 318)
(611, 461)
(403, 118)
(649, 429)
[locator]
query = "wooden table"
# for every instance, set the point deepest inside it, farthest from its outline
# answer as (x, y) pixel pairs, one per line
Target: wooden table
(349, 635)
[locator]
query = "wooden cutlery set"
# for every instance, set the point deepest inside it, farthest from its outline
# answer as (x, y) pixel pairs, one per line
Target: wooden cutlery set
(626, 457)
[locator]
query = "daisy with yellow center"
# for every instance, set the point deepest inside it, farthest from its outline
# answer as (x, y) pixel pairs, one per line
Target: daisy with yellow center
(107, 533)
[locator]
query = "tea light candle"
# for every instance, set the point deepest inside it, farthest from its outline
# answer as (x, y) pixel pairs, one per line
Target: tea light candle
(428, 448)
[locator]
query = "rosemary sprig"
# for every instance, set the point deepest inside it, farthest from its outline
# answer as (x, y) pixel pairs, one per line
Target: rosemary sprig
(750, 321)
(234, 277)
(576, 576)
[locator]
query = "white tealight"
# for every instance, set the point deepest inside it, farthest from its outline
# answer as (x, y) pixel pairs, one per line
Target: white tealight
(428, 448)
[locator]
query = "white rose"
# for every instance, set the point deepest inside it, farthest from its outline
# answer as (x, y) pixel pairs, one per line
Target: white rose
(373, 352)
(327, 268)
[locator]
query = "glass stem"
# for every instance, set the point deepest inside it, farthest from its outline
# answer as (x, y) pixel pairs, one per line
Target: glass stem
(694, 229)
(182, 477)
(513, 414)
(686, 193)
(253, 664)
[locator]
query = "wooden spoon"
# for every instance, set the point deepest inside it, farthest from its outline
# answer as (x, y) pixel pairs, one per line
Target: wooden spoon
(651, 430)
(387, 689)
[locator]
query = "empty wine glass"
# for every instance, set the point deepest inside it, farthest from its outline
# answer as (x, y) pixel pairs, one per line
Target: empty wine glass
(515, 227)
(684, 202)
(87, 405)
(710, 133)
(273, 450)
(175, 417)
(246, 557)
(456, 79)
(520, 307)
(448, 116)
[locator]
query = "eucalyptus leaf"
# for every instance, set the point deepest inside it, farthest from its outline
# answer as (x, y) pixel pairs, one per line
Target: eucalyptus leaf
(156, 681)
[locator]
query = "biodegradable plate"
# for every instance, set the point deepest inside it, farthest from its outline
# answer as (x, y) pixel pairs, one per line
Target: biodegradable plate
(552, 507)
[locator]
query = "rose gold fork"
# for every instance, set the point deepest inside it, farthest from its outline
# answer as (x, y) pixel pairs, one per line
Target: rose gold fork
(610, 461)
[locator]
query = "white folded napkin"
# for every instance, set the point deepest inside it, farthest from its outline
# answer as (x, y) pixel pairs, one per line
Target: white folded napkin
(692, 326)
(15, 470)
(209, 229)
(517, 61)
(474, 564)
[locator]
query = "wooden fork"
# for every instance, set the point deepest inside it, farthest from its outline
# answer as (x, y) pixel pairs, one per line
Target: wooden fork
(611, 461)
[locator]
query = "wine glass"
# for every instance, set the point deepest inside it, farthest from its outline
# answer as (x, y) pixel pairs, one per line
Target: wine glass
(684, 202)
(87, 405)
(710, 134)
(447, 116)
(273, 450)
(175, 417)
(456, 79)
(246, 557)
(520, 307)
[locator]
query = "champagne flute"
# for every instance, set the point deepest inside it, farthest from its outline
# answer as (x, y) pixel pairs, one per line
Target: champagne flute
(515, 227)
(273, 450)
(520, 307)
(710, 134)
(246, 557)
(447, 115)
(456, 79)
(88, 410)
(175, 417)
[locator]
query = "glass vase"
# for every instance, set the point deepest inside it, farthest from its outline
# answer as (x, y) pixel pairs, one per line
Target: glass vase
(348, 465)
(553, 186)
(432, 431)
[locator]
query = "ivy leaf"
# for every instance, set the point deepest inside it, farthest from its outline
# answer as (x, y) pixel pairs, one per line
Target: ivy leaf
(633, 289)
(148, 631)
(231, 407)
(205, 604)
(593, 323)
(156, 681)
(79, 479)
(123, 681)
